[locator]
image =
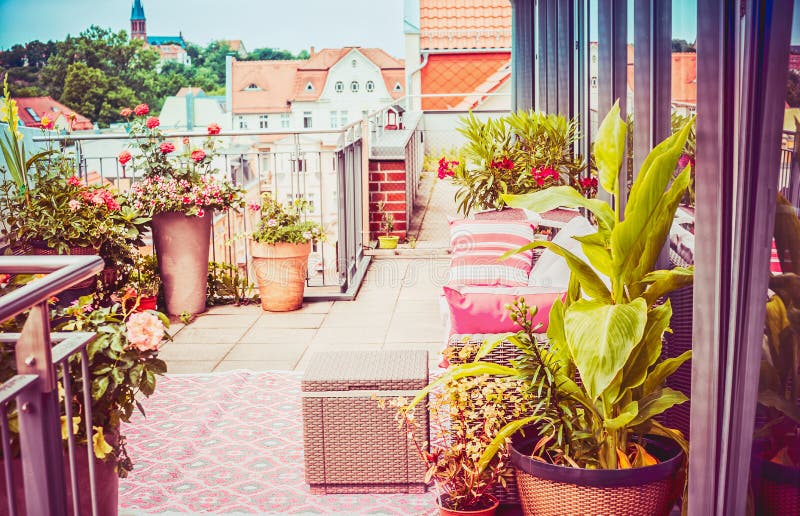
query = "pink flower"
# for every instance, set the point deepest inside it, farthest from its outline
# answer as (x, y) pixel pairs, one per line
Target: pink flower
(145, 331)
(201, 213)
(167, 147)
(152, 122)
(272, 223)
(126, 112)
(124, 157)
(186, 140)
(98, 199)
(254, 206)
(685, 161)
(74, 181)
(74, 205)
(141, 109)
(213, 129)
(198, 155)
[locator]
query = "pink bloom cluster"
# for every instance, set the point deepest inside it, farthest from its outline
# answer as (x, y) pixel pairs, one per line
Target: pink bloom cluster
(152, 122)
(541, 175)
(100, 197)
(159, 194)
(74, 181)
(124, 157)
(446, 168)
(213, 129)
(167, 147)
(588, 183)
(145, 331)
(198, 155)
(503, 164)
(686, 160)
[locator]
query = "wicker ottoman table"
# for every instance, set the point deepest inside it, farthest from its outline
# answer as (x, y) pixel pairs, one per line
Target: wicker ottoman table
(351, 444)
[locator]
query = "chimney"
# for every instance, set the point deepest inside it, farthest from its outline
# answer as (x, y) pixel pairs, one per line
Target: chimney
(311, 52)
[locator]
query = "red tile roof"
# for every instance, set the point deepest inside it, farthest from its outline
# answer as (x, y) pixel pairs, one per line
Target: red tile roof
(279, 83)
(462, 73)
(53, 109)
(448, 24)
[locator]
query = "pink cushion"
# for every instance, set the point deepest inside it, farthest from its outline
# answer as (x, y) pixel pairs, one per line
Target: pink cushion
(477, 246)
(483, 309)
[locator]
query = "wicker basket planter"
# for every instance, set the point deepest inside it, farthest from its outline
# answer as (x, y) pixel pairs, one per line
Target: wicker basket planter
(776, 487)
(281, 270)
(489, 511)
(550, 490)
(40, 249)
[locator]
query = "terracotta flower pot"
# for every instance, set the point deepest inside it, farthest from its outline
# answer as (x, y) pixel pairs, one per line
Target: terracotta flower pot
(182, 245)
(549, 490)
(487, 511)
(281, 271)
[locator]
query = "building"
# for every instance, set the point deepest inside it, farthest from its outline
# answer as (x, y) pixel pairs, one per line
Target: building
(331, 89)
(33, 109)
(458, 46)
(171, 48)
(191, 109)
(237, 46)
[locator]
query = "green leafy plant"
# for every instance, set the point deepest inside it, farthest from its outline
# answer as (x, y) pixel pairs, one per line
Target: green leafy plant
(227, 284)
(285, 223)
(608, 337)
(142, 275)
(387, 219)
(779, 380)
(523, 152)
(468, 413)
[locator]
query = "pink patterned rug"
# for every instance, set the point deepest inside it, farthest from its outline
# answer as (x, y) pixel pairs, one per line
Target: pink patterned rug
(232, 443)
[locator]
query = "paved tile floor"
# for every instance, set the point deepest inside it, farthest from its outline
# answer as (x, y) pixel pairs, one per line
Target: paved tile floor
(396, 308)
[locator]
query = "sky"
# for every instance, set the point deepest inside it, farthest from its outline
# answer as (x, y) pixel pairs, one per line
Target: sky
(287, 24)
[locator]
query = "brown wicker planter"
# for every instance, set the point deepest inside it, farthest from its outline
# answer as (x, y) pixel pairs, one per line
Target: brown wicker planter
(489, 511)
(281, 271)
(182, 245)
(776, 487)
(546, 489)
(504, 214)
(40, 249)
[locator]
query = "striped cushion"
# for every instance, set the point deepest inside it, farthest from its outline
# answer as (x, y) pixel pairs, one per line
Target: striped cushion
(477, 245)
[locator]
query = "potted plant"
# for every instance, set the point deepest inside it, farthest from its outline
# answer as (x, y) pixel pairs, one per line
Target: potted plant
(123, 366)
(467, 426)
(523, 152)
(280, 246)
(144, 282)
(181, 193)
(387, 240)
(775, 474)
(585, 434)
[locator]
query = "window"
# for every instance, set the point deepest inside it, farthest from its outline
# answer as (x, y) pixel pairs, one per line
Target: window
(309, 87)
(594, 82)
(252, 87)
(33, 114)
(397, 87)
(370, 86)
(342, 118)
(263, 121)
(354, 86)
(242, 122)
(364, 113)
(353, 63)
(307, 121)
(300, 165)
(285, 124)
(334, 119)
(339, 86)
(55, 109)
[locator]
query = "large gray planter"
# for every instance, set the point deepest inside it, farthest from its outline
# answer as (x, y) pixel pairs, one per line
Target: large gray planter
(182, 245)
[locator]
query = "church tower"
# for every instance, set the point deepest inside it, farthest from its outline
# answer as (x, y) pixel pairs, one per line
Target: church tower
(138, 22)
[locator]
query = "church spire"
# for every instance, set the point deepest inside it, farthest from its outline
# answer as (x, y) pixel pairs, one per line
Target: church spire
(138, 22)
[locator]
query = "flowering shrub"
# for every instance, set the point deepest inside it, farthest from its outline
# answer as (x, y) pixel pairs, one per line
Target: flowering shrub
(521, 153)
(174, 181)
(285, 224)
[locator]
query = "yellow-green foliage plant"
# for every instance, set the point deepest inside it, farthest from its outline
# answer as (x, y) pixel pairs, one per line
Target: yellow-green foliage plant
(608, 337)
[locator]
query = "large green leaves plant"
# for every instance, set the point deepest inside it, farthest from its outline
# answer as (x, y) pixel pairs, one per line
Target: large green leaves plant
(609, 338)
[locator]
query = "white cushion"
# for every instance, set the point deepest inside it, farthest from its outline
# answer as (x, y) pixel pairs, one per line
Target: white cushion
(550, 269)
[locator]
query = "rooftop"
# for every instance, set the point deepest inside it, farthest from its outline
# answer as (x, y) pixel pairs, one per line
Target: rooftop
(465, 24)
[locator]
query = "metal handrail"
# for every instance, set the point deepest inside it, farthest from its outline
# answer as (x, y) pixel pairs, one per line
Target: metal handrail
(62, 272)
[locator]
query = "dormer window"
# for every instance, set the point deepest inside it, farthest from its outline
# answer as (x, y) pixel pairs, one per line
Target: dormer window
(339, 86)
(354, 86)
(397, 87)
(370, 86)
(252, 87)
(309, 87)
(354, 63)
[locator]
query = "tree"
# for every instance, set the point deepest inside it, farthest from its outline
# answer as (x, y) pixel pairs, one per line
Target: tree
(793, 89)
(681, 45)
(271, 54)
(92, 93)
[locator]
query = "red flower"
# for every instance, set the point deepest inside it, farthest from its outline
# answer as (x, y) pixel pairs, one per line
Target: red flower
(126, 112)
(198, 155)
(167, 147)
(124, 157)
(153, 122)
(47, 123)
(213, 129)
(186, 140)
(74, 181)
(141, 110)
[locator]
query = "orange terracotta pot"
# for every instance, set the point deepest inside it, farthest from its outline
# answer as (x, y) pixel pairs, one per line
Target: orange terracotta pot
(488, 511)
(281, 271)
